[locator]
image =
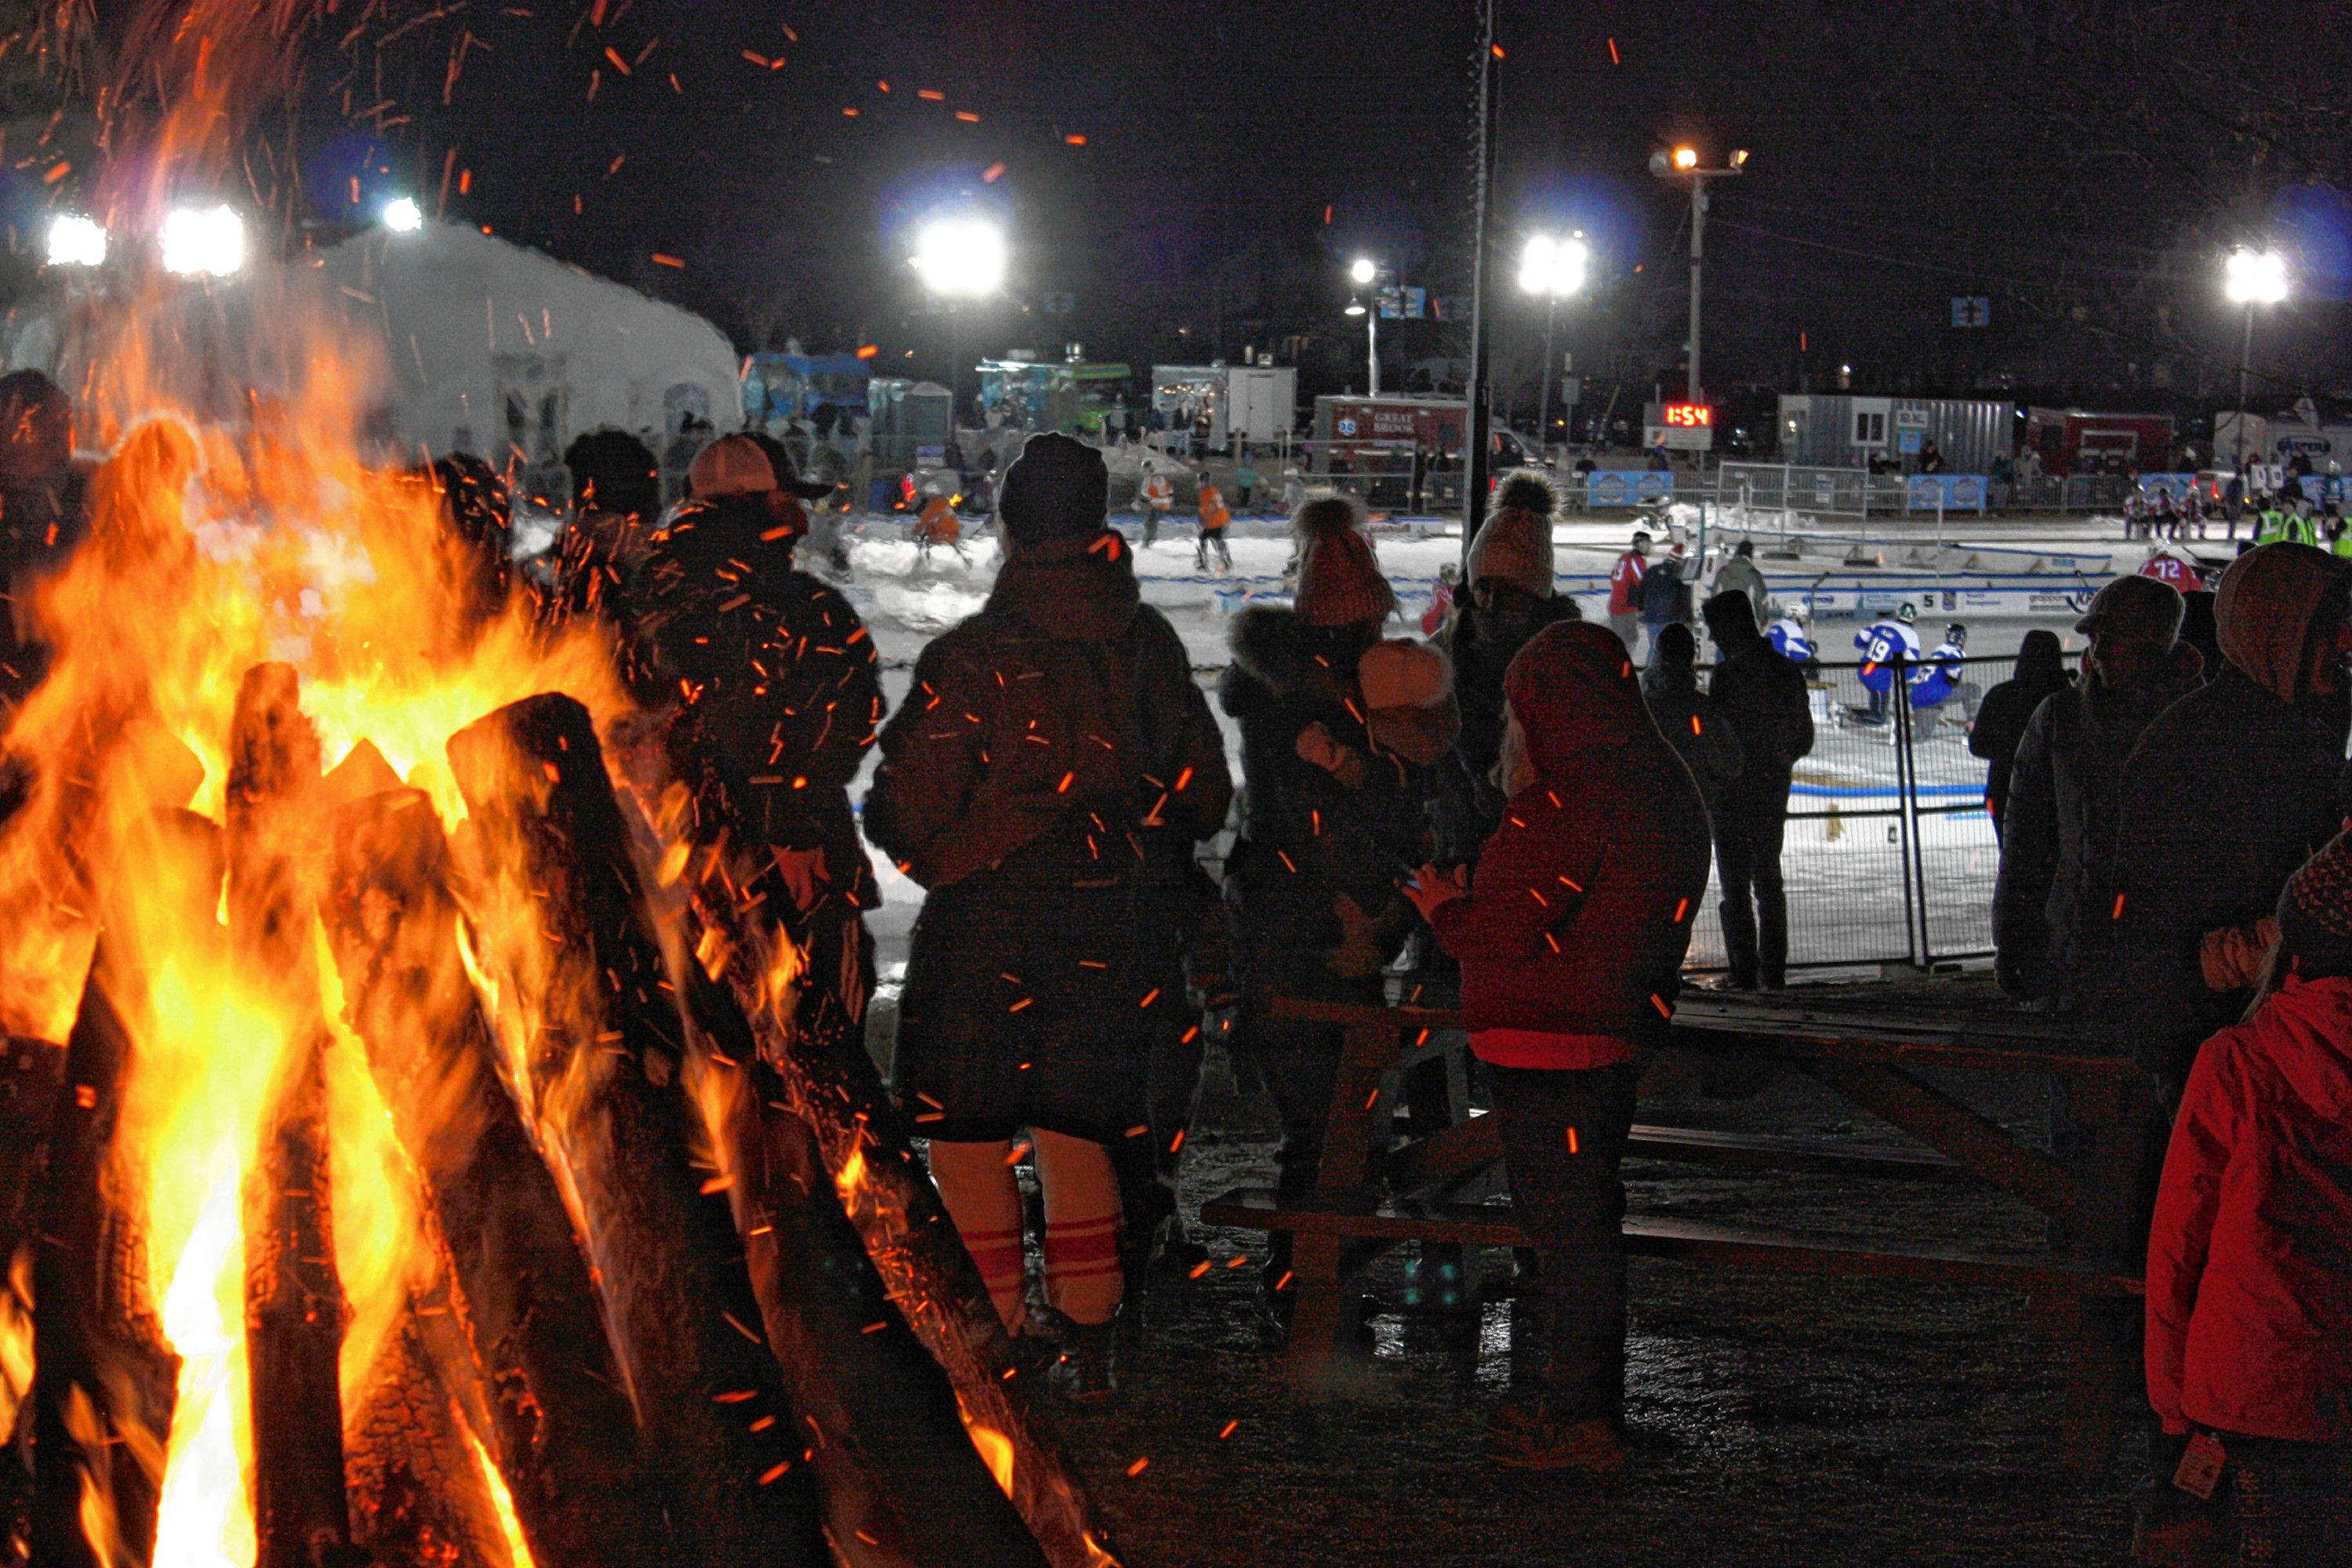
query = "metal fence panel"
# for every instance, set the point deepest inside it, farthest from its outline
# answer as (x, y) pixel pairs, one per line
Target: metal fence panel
(1890, 855)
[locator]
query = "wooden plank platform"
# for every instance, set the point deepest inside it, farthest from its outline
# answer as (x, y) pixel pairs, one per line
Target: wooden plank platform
(1372, 1193)
(1698, 1241)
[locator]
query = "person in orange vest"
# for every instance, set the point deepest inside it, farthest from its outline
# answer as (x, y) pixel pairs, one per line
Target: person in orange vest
(939, 525)
(1214, 519)
(1159, 496)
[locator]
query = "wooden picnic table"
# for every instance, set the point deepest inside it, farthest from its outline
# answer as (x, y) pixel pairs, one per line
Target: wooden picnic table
(1375, 1190)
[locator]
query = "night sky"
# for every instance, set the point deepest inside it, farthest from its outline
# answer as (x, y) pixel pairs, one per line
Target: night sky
(1197, 175)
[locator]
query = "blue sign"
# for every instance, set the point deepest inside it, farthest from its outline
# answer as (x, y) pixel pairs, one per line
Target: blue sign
(2172, 487)
(1627, 487)
(2321, 490)
(1956, 492)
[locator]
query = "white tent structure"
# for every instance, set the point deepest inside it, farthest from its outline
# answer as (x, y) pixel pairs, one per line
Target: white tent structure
(509, 354)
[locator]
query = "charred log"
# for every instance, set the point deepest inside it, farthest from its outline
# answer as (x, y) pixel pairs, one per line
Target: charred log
(558, 1420)
(418, 1500)
(826, 1079)
(104, 1383)
(294, 1301)
(607, 1078)
(903, 1484)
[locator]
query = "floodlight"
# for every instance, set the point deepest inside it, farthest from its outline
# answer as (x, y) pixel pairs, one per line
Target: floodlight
(2255, 277)
(962, 257)
(1554, 266)
(1355, 307)
(402, 216)
(1686, 157)
(203, 242)
(1364, 271)
(1739, 158)
(77, 241)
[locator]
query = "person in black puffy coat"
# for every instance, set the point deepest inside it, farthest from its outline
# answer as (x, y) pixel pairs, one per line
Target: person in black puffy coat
(779, 675)
(1332, 822)
(2001, 717)
(1046, 781)
(2049, 929)
(1762, 697)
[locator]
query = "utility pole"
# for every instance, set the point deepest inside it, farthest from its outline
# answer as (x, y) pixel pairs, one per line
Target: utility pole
(1699, 273)
(1478, 425)
(1683, 164)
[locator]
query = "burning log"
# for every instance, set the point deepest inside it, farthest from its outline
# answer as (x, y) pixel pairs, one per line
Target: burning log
(420, 1499)
(829, 1083)
(606, 1078)
(557, 1420)
(104, 1383)
(294, 1301)
(903, 1483)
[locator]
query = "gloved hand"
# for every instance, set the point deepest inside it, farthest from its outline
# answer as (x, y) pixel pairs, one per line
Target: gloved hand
(1317, 744)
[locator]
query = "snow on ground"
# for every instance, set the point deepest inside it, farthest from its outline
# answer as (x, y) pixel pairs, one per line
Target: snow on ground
(1842, 865)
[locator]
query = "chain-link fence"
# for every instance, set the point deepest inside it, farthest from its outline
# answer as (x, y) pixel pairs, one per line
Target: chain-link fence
(1889, 857)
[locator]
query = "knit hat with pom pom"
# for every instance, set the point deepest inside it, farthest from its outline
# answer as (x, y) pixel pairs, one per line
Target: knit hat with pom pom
(1515, 546)
(1340, 579)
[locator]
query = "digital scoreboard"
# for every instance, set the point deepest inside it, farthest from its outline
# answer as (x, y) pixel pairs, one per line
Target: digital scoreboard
(1680, 426)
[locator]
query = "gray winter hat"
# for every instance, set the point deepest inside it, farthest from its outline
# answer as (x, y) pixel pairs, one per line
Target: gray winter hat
(1057, 488)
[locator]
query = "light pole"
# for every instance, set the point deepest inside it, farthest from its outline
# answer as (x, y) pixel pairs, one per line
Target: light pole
(2250, 278)
(960, 258)
(1364, 273)
(1683, 164)
(1555, 269)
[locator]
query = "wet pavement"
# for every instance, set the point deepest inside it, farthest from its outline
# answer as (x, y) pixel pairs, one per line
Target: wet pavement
(1776, 1420)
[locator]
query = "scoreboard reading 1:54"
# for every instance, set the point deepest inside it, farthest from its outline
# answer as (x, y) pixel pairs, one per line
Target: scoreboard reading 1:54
(1679, 427)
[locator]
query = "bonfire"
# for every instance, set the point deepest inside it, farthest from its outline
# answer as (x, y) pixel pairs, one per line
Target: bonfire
(411, 1157)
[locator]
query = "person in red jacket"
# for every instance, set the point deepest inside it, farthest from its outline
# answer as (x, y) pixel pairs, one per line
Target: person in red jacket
(1571, 943)
(1625, 590)
(2250, 1258)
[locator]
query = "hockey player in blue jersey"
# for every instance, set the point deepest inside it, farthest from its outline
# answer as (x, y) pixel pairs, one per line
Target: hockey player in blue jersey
(1938, 678)
(1881, 643)
(1790, 636)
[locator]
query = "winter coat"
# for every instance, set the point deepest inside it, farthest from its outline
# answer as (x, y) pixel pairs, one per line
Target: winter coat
(1464, 802)
(1571, 940)
(2050, 906)
(2250, 1260)
(1762, 697)
(1692, 723)
(2003, 714)
(1047, 780)
(1741, 574)
(1665, 598)
(1329, 821)
(2232, 787)
(780, 669)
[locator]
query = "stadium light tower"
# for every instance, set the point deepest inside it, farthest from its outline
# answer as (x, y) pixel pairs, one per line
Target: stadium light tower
(2251, 277)
(960, 258)
(1555, 268)
(1684, 163)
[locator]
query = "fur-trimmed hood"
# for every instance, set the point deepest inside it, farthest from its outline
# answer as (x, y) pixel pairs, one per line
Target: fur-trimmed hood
(1279, 649)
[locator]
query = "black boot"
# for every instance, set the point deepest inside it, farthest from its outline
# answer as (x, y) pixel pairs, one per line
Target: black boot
(1088, 1370)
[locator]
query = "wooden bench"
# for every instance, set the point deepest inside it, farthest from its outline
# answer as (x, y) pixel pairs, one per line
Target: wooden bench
(1374, 1191)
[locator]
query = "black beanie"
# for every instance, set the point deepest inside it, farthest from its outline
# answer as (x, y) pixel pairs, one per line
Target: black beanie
(1057, 488)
